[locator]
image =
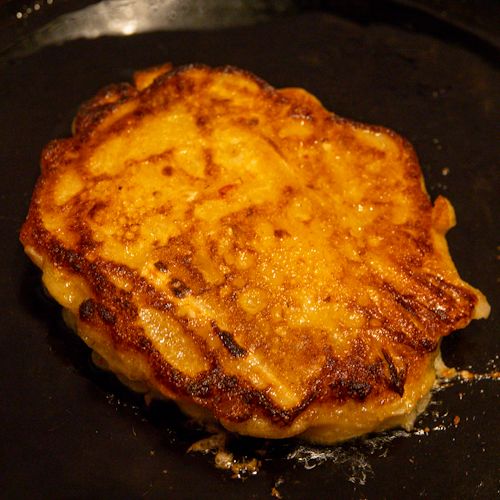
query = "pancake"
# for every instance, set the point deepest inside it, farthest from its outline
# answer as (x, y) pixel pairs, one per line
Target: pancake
(248, 254)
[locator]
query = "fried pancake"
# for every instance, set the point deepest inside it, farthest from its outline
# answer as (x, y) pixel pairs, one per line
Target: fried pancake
(246, 253)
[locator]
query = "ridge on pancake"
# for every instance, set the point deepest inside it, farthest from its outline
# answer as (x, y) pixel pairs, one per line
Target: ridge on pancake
(249, 254)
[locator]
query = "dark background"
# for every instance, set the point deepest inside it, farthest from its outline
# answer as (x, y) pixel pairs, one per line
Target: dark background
(428, 70)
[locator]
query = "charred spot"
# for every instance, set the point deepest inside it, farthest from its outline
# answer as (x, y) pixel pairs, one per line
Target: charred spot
(106, 315)
(354, 389)
(86, 310)
(179, 288)
(428, 345)
(143, 344)
(228, 383)
(161, 266)
(281, 233)
(168, 170)
(359, 390)
(126, 307)
(397, 377)
(99, 282)
(406, 302)
(86, 241)
(73, 259)
(199, 389)
(376, 369)
(228, 342)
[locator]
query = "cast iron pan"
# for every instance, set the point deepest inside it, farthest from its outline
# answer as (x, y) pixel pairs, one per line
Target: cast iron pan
(70, 431)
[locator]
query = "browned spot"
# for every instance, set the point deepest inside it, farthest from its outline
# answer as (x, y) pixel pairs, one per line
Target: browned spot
(281, 233)
(167, 171)
(97, 207)
(249, 122)
(211, 168)
(202, 120)
(224, 190)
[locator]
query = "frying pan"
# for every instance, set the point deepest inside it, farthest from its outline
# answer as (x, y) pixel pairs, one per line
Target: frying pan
(428, 70)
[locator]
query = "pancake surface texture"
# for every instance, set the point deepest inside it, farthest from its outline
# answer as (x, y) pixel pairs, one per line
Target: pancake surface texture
(248, 254)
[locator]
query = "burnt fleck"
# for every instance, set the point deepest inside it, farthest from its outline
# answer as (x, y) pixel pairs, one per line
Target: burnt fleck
(359, 390)
(179, 288)
(86, 310)
(229, 343)
(161, 266)
(168, 170)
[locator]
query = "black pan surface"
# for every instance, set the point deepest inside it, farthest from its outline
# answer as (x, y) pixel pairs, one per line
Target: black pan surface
(70, 431)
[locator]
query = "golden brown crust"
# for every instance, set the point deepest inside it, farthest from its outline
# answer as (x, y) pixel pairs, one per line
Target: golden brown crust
(242, 248)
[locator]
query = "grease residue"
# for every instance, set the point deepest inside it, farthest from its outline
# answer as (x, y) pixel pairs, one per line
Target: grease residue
(225, 459)
(353, 457)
